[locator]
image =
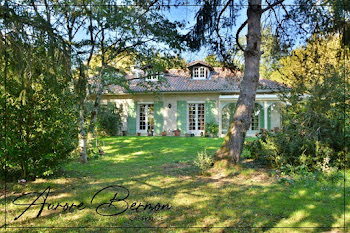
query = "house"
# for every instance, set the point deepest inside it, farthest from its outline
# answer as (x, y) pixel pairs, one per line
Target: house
(187, 99)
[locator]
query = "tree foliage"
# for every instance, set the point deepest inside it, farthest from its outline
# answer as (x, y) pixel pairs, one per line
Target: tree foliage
(315, 130)
(109, 120)
(58, 55)
(37, 104)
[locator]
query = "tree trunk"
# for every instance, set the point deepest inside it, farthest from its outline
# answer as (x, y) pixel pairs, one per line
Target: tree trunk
(82, 136)
(96, 107)
(232, 146)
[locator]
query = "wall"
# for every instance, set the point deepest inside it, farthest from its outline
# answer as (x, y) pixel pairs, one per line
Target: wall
(169, 114)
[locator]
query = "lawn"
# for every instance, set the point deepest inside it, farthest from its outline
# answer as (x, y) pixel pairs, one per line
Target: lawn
(160, 170)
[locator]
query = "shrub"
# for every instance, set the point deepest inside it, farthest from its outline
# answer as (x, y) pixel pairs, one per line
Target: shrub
(290, 154)
(212, 128)
(315, 130)
(203, 161)
(41, 118)
(109, 120)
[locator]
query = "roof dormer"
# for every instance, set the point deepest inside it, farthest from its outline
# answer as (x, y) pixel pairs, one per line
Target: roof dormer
(151, 74)
(200, 70)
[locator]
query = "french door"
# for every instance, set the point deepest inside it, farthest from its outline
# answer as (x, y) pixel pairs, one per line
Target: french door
(146, 118)
(196, 118)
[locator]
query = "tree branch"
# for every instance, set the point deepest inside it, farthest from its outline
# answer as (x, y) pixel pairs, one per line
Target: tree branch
(245, 22)
(272, 5)
(237, 35)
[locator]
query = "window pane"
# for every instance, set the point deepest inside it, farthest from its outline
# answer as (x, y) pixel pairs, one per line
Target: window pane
(201, 72)
(196, 116)
(191, 117)
(195, 74)
(142, 117)
(255, 119)
(150, 119)
(200, 116)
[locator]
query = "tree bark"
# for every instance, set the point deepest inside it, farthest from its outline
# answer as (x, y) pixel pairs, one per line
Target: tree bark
(82, 96)
(82, 136)
(232, 146)
(96, 106)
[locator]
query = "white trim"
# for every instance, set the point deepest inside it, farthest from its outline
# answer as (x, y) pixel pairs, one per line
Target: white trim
(196, 102)
(145, 102)
(199, 72)
(266, 106)
(152, 79)
(257, 97)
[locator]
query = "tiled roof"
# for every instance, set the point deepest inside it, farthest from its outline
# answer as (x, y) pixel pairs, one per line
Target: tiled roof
(179, 80)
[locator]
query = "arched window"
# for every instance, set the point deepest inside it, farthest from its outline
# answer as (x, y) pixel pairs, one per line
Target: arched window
(275, 115)
(257, 120)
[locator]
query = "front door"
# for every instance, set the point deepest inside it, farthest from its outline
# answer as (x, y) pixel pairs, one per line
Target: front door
(196, 118)
(146, 118)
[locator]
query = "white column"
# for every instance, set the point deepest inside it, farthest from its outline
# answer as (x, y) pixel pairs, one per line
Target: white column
(265, 114)
(220, 120)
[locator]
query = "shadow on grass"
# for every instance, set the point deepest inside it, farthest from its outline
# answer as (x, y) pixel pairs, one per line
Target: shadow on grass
(236, 202)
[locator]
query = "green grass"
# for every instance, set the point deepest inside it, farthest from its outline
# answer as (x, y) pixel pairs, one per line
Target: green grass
(160, 169)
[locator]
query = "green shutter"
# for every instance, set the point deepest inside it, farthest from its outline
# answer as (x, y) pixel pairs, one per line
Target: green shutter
(158, 117)
(181, 120)
(227, 113)
(210, 107)
(261, 117)
(132, 118)
(269, 118)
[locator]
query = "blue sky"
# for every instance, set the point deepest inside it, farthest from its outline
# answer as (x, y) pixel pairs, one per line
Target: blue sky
(187, 14)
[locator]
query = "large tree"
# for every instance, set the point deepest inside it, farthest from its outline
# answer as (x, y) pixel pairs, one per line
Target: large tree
(213, 18)
(208, 18)
(37, 109)
(103, 30)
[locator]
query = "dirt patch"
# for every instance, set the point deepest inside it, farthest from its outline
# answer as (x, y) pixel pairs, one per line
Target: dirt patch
(172, 166)
(219, 177)
(223, 177)
(182, 169)
(260, 177)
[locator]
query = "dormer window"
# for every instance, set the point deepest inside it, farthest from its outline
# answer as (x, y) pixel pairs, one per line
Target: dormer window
(153, 77)
(151, 74)
(199, 72)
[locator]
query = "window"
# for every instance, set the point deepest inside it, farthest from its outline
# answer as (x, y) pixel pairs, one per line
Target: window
(195, 73)
(255, 125)
(199, 73)
(255, 122)
(146, 117)
(153, 77)
(227, 114)
(195, 117)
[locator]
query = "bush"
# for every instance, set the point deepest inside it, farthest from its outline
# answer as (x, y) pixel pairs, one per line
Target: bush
(109, 120)
(41, 118)
(291, 154)
(212, 128)
(315, 130)
(204, 161)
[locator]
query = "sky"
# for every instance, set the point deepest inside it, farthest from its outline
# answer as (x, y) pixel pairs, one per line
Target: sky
(187, 14)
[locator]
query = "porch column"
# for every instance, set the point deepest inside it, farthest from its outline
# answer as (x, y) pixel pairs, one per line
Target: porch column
(265, 114)
(220, 119)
